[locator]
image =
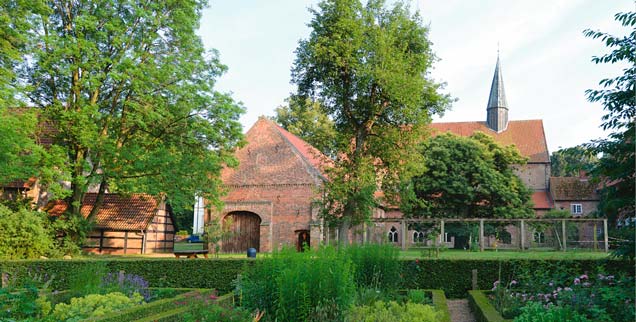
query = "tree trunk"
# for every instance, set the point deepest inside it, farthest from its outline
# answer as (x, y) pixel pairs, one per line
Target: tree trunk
(343, 231)
(99, 200)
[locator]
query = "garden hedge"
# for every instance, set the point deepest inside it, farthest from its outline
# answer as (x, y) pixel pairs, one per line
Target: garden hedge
(439, 301)
(483, 310)
(453, 276)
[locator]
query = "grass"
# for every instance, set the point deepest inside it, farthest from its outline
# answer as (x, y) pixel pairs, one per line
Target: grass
(505, 254)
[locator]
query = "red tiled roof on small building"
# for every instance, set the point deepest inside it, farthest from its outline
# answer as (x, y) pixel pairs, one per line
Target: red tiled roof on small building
(542, 200)
(573, 189)
(118, 212)
(527, 135)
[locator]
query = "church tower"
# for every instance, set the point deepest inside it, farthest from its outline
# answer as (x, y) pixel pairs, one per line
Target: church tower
(497, 119)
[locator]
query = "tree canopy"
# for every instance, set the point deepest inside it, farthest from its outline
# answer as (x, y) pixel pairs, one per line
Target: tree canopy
(128, 87)
(368, 66)
(467, 177)
(569, 162)
(616, 167)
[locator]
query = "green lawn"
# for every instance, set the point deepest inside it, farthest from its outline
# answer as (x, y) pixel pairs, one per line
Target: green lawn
(507, 254)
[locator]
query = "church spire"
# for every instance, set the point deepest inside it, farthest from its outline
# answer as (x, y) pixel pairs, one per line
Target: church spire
(497, 109)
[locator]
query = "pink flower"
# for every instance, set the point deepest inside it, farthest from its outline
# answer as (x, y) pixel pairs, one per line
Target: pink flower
(577, 281)
(583, 277)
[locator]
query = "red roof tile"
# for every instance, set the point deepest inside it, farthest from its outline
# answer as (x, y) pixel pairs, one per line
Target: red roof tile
(118, 212)
(573, 189)
(542, 200)
(527, 135)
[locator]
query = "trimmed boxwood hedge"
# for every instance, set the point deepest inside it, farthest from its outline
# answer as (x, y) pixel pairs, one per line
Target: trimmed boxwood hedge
(439, 301)
(452, 276)
(483, 310)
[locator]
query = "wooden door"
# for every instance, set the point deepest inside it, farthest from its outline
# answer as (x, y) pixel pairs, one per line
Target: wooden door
(246, 231)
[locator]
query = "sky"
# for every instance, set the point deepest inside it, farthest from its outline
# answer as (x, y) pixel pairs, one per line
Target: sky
(545, 59)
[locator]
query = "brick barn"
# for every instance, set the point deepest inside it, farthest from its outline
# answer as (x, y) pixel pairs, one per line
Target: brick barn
(132, 224)
(271, 193)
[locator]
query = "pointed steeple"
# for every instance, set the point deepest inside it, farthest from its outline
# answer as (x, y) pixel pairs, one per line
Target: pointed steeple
(497, 109)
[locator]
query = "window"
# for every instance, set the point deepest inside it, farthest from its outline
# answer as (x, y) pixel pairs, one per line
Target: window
(576, 208)
(539, 237)
(418, 237)
(448, 238)
(393, 235)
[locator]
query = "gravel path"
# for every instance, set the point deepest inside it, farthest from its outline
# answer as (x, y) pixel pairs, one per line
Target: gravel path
(460, 311)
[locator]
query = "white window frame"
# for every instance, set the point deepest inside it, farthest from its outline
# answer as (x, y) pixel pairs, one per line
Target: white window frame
(576, 209)
(393, 235)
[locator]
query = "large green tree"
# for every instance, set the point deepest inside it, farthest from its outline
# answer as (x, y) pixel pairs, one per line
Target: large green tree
(368, 66)
(569, 162)
(615, 169)
(128, 87)
(468, 177)
(308, 120)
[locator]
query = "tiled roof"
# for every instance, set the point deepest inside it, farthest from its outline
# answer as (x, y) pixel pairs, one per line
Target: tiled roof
(527, 135)
(118, 212)
(307, 151)
(573, 189)
(20, 184)
(542, 200)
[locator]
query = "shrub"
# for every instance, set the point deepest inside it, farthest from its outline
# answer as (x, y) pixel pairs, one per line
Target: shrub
(537, 312)
(204, 312)
(87, 279)
(393, 312)
(23, 234)
(94, 305)
(291, 285)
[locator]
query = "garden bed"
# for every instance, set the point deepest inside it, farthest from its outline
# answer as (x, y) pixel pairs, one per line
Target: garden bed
(482, 308)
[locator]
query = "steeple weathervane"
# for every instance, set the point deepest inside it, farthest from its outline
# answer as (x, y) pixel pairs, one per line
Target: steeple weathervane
(497, 110)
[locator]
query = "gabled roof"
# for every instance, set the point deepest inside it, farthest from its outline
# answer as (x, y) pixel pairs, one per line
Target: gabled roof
(542, 200)
(573, 189)
(118, 212)
(271, 156)
(527, 135)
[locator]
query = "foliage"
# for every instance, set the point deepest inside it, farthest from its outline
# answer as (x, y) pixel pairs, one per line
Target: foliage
(87, 279)
(392, 311)
(206, 311)
(26, 300)
(615, 169)
(128, 88)
(127, 284)
(308, 120)
(376, 266)
(626, 240)
(468, 177)
(537, 312)
(291, 285)
(21, 158)
(368, 67)
(599, 297)
(94, 305)
(23, 234)
(569, 162)
(215, 231)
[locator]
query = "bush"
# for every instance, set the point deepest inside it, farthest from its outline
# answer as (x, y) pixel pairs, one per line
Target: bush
(536, 312)
(393, 312)
(94, 305)
(23, 234)
(204, 312)
(291, 285)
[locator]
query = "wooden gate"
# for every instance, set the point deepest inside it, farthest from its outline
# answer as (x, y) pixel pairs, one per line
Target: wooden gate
(246, 232)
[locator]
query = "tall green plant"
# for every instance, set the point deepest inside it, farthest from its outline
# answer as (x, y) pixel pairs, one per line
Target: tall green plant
(23, 234)
(291, 286)
(376, 266)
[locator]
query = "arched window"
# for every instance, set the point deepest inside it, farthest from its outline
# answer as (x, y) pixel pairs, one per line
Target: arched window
(393, 235)
(539, 237)
(418, 236)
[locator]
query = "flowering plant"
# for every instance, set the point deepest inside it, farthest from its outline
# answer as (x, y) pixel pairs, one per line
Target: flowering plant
(600, 297)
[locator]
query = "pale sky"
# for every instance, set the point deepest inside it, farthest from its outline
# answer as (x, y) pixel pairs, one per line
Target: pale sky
(546, 60)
